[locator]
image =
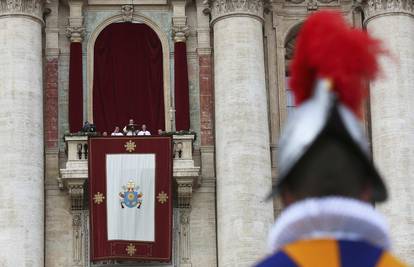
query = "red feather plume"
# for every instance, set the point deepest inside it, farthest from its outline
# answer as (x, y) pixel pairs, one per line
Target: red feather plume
(327, 47)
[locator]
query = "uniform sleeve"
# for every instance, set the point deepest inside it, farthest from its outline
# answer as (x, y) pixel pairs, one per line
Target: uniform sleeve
(387, 260)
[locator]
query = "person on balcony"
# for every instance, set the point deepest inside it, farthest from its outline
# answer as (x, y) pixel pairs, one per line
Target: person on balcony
(144, 130)
(116, 132)
(130, 128)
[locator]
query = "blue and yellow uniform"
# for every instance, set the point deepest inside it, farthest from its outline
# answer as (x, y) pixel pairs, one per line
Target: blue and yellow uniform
(331, 253)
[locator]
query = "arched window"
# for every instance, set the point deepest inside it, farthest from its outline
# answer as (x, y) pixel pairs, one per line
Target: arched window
(128, 77)
(289, 50)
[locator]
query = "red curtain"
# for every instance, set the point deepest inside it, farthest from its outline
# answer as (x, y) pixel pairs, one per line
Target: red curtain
(128, 77)
(75, 88)
(181, 96)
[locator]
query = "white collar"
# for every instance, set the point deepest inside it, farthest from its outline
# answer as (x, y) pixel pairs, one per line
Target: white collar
(329, 217)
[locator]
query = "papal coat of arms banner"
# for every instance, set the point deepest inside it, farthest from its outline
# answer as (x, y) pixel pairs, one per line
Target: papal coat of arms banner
(130, 198)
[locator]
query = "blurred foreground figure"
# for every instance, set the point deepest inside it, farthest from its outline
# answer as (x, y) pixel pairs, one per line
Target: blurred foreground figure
(327, 181)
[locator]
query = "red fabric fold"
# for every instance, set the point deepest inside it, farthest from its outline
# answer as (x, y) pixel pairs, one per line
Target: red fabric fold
(181, 93)
(75, 88)
(128, 77)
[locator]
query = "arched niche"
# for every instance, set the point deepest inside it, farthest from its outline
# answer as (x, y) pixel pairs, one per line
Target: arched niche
(289, 43)
(137, 18)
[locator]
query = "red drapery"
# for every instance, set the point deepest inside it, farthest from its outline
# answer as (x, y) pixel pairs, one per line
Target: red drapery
(101, 247)
(181, 96)
(75, 88)
(128, 77)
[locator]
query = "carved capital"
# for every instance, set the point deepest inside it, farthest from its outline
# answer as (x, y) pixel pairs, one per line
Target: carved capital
(223, 8)
(31, 8)
(127, 12)
(184, 192)
(76, 195)
(180, 33)
(373, 8)
(75, 33)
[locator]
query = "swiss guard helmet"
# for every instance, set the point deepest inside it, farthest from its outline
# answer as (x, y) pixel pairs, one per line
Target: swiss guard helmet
(330, 71)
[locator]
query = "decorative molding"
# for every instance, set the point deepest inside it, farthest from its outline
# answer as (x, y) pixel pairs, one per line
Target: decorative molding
(75, 30)
(127, 12)
(185, 249)
(75, 33)
(31, 8)
(76, 194)
(184, 192)
(180, 33)
(312, 5)
(77, 238)
(373, 8)
(180, 27)
(224, 8)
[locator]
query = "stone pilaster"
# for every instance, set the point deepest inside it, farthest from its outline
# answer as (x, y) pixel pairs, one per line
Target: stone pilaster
(21, 137)
(392, 109)
(242, 134)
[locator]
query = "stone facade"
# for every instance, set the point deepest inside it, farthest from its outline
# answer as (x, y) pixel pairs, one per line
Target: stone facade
(391, 115)
(238, 54)
(21, 109)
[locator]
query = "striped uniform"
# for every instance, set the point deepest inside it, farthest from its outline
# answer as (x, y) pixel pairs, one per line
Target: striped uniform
(331, 253)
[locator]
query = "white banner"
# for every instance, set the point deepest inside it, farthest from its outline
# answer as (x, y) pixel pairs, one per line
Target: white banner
(130, 192)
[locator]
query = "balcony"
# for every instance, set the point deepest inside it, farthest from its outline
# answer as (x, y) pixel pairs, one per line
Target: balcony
(75, 174)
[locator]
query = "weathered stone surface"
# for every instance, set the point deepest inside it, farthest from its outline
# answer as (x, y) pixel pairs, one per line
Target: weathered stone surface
(203, 226)
(242, 141)
(392, 109)
(21, 146)
(206, 100)
(51, 103)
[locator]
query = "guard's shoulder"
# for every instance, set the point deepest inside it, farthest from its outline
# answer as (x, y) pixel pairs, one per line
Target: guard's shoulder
(279, 259)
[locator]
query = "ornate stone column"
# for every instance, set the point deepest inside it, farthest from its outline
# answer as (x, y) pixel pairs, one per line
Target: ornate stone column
(242, 132)
(392, 115)
(21, 136)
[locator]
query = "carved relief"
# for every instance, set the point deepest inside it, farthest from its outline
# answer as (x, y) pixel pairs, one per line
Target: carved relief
(127, 12)
(180, 33)
(77, 237)
(295, 1)
(32, 8)
(75, 33)
(312, 4)
(377, 7)
(221, 8)
(185, 250)
(184, 194)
